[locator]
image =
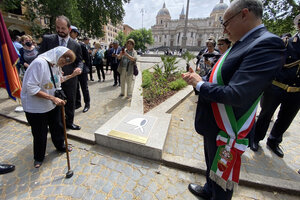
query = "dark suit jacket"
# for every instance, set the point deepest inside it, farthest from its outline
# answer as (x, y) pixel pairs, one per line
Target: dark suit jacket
(85, 57)
(114, 60)
(291, 75)
(52, 41)
(248, 69)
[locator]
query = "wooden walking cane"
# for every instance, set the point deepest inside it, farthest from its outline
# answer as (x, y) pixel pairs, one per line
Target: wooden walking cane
(69, 174)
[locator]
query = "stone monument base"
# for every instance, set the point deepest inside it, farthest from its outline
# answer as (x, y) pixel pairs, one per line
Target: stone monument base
(135, 133)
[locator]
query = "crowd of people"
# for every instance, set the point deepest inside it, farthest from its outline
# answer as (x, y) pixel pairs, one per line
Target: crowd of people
(233, 74)
(62, 63)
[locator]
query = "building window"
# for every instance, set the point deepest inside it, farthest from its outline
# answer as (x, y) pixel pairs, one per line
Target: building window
(159, 39)
(165, 36)
(160, 21)
(191, 34)
(46, 20)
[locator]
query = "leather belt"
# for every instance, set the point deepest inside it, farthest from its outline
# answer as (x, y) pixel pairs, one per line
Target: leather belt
(286, 87)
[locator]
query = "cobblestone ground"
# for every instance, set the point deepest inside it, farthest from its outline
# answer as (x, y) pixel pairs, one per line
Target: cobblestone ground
(99, 173)
(183, 141)
(105, 103)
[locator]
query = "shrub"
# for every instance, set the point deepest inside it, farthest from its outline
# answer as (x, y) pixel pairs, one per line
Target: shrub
(169, 65)
(147, 78)
(177, 84)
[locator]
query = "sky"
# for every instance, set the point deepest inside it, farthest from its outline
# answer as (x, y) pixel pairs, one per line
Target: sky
(133, 15)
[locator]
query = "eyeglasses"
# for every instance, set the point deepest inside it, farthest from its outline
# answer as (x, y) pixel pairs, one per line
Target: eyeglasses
(220, 44)
(225, 24)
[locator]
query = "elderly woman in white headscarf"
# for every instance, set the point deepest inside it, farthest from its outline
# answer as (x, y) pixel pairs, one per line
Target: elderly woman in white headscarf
(42, 108)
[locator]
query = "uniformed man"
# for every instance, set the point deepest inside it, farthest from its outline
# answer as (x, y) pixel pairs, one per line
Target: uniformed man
(284, 91)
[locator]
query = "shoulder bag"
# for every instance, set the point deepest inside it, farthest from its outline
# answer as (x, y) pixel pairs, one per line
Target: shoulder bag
(59, 93)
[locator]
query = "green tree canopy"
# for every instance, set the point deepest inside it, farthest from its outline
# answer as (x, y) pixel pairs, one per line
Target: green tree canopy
(279, 15)
(141, 38)
(121, 37)
(88, 15)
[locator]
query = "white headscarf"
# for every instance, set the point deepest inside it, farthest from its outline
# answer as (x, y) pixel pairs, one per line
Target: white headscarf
(54, 54)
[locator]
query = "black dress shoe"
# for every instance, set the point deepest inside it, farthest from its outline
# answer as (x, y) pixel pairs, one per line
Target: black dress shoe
(86, 108)
(73, 127)
(5, 168)
(198, 191)
(275, 148)
(254, 146)
(115, 84)
(92, 79)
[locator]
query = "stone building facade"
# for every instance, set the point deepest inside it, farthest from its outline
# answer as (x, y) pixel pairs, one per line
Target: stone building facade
(168, 33)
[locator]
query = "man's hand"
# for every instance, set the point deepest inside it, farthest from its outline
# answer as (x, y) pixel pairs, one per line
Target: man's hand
(191, 77)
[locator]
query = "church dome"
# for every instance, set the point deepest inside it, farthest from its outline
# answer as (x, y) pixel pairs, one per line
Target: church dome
(163, 11)
(220, 7)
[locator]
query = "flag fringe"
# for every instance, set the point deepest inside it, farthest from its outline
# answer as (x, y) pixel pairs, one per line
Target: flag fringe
(225, 185)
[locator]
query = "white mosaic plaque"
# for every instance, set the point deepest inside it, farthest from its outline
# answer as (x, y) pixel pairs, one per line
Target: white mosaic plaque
(134, 127)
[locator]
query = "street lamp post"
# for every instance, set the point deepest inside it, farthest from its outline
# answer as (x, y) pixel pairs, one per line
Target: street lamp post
(142, 11)
(184, 37)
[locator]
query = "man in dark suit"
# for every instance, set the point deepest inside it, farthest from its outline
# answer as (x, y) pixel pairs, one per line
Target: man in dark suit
(236, 83)
(86, 41)
(284, 91)
(62, 38)
(83, 77)
(115, 51)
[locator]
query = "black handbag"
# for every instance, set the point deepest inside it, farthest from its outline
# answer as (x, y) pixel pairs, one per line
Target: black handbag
(135, 70)
(59, 93)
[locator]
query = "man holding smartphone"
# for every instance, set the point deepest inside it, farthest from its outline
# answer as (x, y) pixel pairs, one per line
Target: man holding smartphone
(115, 51)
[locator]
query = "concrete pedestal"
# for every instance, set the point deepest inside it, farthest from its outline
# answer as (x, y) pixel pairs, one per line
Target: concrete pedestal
(135, 133)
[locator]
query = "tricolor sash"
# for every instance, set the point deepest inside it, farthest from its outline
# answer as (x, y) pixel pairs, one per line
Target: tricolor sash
(230, 140)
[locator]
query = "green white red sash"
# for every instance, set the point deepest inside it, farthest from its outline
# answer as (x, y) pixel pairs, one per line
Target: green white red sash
(231, 140)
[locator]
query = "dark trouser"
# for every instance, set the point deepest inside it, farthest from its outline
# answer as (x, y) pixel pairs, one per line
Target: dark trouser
(39, 123)
(217, 193)
(289, 106)
(107, 64)
(70, 89)
(114, 67)
(100, 67)
(83, 81)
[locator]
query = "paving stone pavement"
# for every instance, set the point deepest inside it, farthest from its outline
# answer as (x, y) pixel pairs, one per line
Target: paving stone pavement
(183, 142)
(105, 174)
(99, 173)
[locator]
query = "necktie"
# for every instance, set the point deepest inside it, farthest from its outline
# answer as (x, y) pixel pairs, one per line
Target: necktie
(115, 57)
(63, 43)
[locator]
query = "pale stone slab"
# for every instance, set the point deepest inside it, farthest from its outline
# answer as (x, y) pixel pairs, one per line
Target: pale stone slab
(156, 130)
(134, 127)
